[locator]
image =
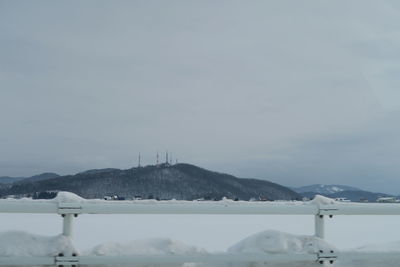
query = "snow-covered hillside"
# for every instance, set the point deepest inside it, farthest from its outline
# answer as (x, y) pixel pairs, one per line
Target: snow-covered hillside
(179, 181)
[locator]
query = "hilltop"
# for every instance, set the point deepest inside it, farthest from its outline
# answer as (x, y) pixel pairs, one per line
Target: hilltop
(179, 181)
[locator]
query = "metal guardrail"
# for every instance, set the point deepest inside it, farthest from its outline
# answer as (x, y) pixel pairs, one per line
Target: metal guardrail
(161, 259)
(156, 207)
(200, 207)
(69, 210)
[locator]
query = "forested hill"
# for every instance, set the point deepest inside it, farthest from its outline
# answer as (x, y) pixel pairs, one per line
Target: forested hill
(179, 181)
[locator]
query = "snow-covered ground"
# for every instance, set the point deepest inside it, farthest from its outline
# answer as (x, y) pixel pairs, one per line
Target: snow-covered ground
(113, 234)
(214, 232)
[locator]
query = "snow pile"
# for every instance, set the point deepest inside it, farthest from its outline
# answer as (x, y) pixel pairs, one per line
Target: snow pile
(18, 243)
(158, 246)
(67, 197)
(321, 200)
(24, 244)
(267, 242)
(270, 242)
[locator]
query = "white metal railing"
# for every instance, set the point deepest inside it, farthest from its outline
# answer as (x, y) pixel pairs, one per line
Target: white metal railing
(163, 259)
(69, 210)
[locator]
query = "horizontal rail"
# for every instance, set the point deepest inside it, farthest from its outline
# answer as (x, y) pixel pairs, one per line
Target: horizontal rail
(222, 258)
(27, 260)
(369, 256)
(162, 207)
(169, 258)
(204, 258)
(197, 208)
(7, 206)
(360, 209)
(193, 207)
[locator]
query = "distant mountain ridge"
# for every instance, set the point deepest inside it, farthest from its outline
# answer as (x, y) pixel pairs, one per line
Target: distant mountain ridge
(339, 191)
(40, 177)
(43, 176)
(179, 181)
(325, 189)
(10, 180)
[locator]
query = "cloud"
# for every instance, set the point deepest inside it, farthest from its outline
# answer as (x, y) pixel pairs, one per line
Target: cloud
(267, 89)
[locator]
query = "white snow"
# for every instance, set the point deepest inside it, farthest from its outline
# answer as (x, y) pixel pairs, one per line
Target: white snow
(67, 197)
(336, 189)
(156, 246)
(272, 241)
(321, 200)
(214, 232)
(18, 243)
(24, 244)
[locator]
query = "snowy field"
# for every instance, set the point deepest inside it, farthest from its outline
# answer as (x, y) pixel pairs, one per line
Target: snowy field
(213, 232)
(113, 234)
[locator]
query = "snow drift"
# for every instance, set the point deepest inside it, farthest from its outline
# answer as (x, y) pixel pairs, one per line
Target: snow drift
(67, 197)
(25, 244)
(19, 243)
(16, 243)
(271, 242)
(159, 246)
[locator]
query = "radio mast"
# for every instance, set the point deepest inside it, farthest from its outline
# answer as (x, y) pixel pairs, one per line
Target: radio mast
(157, 162)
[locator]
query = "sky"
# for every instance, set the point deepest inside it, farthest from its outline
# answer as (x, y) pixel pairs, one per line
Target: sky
(295, 92)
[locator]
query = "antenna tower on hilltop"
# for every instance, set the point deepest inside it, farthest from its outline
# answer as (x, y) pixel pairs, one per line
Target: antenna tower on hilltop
(157, 162)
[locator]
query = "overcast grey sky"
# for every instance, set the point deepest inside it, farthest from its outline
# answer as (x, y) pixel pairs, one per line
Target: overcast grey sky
(296, 92)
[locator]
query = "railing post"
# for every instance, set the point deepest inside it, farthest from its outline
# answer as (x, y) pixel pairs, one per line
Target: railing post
(67, 224)
(319, 226)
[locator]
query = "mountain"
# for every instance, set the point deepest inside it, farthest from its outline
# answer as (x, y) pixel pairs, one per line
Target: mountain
(357, 196)
(339, 191)
(179, 181)
(325, 189)
(10, 180)
(7, 180)
(40, 177)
